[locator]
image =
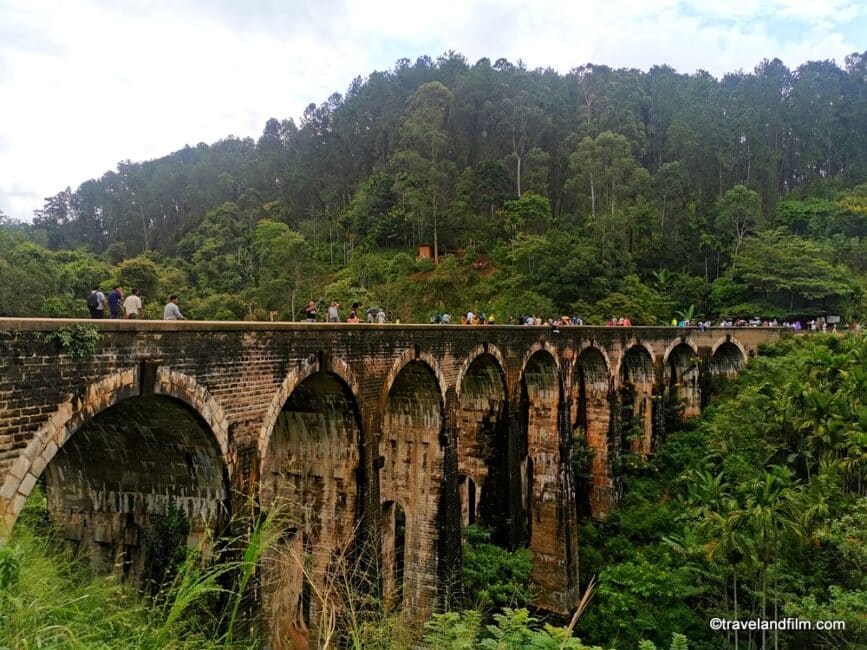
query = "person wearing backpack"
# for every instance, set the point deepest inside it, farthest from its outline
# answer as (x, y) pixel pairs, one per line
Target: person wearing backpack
(96, 303)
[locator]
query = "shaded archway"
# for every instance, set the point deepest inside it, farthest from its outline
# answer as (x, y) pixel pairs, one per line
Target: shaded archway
(682, 381)
(469, 500)
(727, 360)
(311, 474)
(393, 551)
(483, 447)
(135, 474)
(591, 426)
(636, 399)
(412, 474)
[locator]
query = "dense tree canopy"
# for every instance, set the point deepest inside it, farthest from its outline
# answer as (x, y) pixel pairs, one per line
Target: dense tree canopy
(622, 173)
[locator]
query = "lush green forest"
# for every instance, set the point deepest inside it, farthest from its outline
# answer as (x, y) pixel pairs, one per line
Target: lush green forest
(598, 192)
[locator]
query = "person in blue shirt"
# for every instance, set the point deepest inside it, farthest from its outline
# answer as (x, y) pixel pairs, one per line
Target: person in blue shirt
(115, 301)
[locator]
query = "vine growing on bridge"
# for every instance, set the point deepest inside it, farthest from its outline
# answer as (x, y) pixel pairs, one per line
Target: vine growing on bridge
(76, 341)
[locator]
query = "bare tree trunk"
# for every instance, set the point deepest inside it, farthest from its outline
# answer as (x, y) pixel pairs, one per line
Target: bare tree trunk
(764, 600)
(435, 234)
(144, 227)
(735, 581)
(592, 198)
(662, 222)
(519, 176)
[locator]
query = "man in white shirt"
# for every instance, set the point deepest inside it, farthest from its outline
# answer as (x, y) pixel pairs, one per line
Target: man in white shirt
(171, 310)
(132, 305)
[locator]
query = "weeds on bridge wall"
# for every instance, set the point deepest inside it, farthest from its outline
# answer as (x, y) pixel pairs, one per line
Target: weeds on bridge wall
(76, 341)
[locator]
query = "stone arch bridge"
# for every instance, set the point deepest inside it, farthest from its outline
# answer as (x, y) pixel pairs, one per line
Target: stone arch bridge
(400, 434)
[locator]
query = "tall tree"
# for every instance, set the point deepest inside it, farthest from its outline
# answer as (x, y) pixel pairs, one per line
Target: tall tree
(422, 167)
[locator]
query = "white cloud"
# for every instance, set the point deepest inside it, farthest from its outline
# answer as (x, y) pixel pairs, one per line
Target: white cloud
(86, 84)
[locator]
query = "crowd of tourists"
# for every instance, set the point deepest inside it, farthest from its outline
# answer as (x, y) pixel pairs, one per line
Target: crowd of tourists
(116, 305)
(371, 315)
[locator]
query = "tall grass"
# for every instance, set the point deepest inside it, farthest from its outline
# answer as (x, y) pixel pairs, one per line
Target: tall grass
(237, 597)
(50, 599)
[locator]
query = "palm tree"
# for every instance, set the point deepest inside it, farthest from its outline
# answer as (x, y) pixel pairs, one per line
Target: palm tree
(728, 538)
(773, 510)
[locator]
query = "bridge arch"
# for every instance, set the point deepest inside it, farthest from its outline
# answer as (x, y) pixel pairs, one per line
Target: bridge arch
(412, 452)
(636, 378)
(475, 353)
(482, 449)
(312, 474)
(97, 398)
(633, 347)
(407, 357)
(728, 356)
(591, 422)
(680, 341)
(681, 375)
(542, 488)
(302, 370)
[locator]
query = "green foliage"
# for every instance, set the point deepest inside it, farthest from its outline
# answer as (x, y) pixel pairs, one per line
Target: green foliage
(739, 214)
(643, 305)
(512, 629)
(56, 602)
(454, 630)
(530, 213)
(678, 642)
(10, 567)
(164, 543)
(286, 268)
(495, 577)
(763, 498)
(217, 306)
(400, 265)
(139, 273)
(783, 275)
(75, 341)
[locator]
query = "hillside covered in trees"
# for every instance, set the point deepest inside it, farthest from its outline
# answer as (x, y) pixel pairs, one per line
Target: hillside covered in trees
(600, 192)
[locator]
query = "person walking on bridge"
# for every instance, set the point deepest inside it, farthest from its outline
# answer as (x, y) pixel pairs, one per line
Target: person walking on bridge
(96, 303)
(115, 301)
(310, 312)
(132, 305)
(171, 311)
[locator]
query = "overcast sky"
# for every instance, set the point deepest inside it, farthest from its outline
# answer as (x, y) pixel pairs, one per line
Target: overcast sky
(87, 83)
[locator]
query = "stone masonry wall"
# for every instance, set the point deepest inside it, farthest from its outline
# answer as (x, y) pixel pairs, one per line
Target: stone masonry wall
(401, 401)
